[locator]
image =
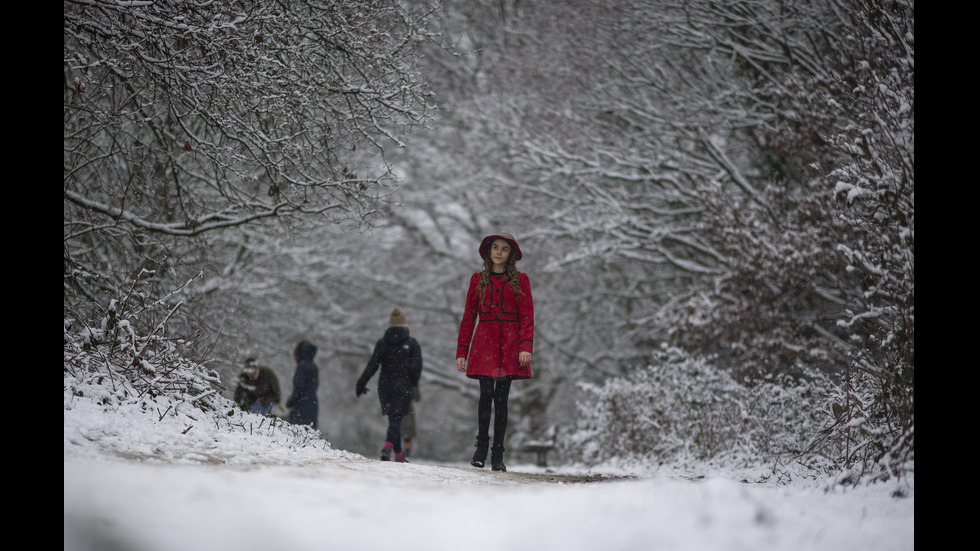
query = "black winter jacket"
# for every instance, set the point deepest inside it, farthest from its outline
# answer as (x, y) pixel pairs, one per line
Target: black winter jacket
(400, 358)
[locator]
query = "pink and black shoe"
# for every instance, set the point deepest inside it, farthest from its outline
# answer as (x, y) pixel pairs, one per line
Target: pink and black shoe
(386, 451)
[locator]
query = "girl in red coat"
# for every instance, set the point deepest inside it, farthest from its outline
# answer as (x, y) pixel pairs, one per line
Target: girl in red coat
(496, 336)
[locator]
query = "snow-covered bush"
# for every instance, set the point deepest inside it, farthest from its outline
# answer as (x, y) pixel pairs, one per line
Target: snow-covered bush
(683, 409)
(875, 181)
(878, 441)
(119, 369)
(864, 163)
(126, 364)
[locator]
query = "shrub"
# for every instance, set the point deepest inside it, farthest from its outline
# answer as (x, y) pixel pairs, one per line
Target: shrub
(681, 408)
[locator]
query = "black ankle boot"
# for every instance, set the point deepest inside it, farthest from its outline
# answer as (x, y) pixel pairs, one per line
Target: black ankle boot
(480, 455)
(497, 458)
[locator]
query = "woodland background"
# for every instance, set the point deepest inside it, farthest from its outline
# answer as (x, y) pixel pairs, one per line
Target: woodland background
(715, 200)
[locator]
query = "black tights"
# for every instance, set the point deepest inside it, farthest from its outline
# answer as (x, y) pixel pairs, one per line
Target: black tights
(493, 393)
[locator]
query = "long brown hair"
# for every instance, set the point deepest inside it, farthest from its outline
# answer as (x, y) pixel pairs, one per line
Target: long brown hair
(510, 268)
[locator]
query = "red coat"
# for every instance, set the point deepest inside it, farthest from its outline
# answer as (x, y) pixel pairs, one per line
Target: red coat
(505, 328)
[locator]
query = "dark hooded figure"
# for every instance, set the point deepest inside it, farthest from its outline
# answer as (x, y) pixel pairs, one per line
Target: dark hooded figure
(399, 357)
(303, 404)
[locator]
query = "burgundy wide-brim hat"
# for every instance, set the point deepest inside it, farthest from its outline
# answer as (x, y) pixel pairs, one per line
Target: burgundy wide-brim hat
(488, 240)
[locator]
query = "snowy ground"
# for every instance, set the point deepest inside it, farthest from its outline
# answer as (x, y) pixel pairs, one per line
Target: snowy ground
(134, 482)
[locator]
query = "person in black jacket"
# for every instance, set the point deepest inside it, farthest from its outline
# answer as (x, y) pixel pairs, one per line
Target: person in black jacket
(399, 357)
(303, 403)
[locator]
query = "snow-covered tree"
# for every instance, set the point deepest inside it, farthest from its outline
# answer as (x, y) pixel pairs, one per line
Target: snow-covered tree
(875, 183)
(820, 271)
(187, 121)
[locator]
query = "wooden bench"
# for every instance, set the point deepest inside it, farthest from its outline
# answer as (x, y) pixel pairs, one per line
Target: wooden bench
(541, 447)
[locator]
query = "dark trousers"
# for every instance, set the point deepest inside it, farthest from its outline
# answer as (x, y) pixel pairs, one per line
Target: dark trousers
(395, 432)
(493, 402)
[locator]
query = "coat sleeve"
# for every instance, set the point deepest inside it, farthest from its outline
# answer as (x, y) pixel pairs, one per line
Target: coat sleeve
(372, 366)
(468, 323)
(276, 392)
(525, 315)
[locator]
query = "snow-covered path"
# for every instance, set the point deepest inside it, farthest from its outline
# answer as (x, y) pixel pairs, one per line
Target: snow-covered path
(353, 503)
